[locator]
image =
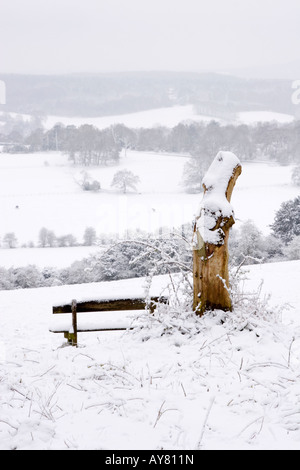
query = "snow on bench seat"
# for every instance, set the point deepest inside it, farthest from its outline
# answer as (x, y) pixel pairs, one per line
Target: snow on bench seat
(111, 290)
(113, 320)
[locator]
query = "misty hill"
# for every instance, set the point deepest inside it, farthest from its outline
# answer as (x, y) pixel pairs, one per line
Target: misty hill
(287, 71)
(119, 93)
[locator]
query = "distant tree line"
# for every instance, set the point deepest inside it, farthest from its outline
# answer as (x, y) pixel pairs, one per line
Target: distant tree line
(88, 145)
(48, 239)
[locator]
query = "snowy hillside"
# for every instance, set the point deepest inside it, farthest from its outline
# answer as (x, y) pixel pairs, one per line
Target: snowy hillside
(167, 117)
(41, 257)
(252, 117)
(222, 382)
(40, 190)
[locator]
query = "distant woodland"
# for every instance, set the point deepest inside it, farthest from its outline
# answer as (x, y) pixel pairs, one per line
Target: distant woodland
(87, 145)
(121, 93)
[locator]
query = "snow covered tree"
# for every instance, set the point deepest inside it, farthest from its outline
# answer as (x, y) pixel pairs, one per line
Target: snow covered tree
(43, 237)
(66, 240)
(125, 179)
(46, 237)
(193, 172)
(50, 277)
(273, 248)
(89, 236)
(124, 136)
(292, 250)
(5, 280)
(26, 277)
(296, 175)
(10, 240)
(51, 238)
(286, 225)
(250, 243)
(86, 182)
(247, 245)
(78, 273)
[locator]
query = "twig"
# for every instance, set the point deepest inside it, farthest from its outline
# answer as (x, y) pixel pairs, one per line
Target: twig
(250, 424)
(183, 388)
(30, 406)
(290, 348)
(168, 259)
(8, 424)
(42, 375)
(205, 422)
(160, 413)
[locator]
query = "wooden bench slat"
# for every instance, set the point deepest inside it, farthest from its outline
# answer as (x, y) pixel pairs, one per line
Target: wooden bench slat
(88, 330)
(107, 306)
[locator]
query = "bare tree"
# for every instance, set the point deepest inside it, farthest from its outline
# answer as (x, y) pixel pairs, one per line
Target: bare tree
(125, 179)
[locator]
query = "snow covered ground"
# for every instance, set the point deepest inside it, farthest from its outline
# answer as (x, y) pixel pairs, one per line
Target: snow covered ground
(45, 257)
(40, 190)
(207, 384)
(252, 117)
(167, 117)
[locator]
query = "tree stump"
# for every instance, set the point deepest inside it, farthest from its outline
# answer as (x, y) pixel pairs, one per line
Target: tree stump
(211, 233)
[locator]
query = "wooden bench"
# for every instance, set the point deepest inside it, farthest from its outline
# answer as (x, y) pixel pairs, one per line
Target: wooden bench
(71, 327)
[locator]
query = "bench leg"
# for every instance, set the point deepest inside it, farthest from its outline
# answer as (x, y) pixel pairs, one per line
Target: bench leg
(71, 338)
(74, 323)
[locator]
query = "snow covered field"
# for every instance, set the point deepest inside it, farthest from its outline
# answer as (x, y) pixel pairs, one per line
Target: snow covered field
(40, 190)
(220, 385)
(43, 257)
(252, 117)
(167, 117)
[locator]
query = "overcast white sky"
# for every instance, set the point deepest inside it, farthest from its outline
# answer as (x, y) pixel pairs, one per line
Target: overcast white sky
(59, 36)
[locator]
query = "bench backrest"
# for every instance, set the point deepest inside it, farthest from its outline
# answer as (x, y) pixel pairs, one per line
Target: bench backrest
(109, 305)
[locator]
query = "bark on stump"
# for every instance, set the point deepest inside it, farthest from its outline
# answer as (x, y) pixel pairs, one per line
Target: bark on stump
(211, 233)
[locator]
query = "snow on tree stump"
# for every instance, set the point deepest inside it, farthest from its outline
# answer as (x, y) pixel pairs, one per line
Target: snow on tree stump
(211, 233)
